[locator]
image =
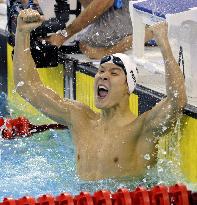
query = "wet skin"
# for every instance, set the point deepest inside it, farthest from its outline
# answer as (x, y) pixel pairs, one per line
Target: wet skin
(112, 137)
(111, 143)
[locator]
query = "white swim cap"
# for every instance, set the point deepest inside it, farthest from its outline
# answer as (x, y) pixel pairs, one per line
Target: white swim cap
(129, 67)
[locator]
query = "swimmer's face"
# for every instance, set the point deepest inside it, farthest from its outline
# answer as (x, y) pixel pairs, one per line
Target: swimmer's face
(110, 86)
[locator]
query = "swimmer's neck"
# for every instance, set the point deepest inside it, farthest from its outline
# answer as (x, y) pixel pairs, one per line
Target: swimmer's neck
(118, 111)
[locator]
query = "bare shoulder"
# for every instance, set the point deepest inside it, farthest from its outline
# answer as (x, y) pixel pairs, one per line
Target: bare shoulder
(138, 126)
(82, 111)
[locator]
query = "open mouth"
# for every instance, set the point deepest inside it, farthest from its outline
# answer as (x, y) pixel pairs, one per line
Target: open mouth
(102, 91)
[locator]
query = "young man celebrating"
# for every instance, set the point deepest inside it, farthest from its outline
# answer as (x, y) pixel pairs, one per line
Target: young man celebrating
(110, 144)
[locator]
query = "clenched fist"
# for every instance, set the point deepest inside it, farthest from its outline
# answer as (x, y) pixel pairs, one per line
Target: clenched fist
(160, 32)
(28, 20)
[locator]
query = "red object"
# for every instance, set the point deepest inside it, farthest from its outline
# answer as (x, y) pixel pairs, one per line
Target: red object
(9, 201)
(159, 195)
(23, 128)
(102, 197)
(46, 200)
(1, 122)
(140, 196)
(16, 127)
(178, 195)
(122, 197)
(26, 200)
(84, 198)
(64, 199)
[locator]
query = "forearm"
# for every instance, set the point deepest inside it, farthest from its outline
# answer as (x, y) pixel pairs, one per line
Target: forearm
(27, 1)
(166, 112)
(23, 63)
(175, 84)
(24, 1)
(94, 10)
(32, 88)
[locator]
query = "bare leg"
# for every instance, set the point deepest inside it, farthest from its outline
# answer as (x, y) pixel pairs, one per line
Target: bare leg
(98, 53)
(124, 45)
(148, 34)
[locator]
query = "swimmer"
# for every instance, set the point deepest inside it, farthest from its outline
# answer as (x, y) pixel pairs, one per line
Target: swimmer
(112, 143)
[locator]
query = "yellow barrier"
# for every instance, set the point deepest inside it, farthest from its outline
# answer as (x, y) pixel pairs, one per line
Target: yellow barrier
(188, 147)
(188, 143)
(54, 78)
(51, 77)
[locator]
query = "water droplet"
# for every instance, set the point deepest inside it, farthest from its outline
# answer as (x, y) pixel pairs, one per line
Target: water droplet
(164, 128)
(43, 42)
(38, 48)
(27, 49)
(144, 180)
(21, 83)
(160, 169)
(147, 156)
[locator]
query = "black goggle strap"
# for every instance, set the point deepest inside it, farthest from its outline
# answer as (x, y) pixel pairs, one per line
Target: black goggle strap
(105, 59)
(116, 60)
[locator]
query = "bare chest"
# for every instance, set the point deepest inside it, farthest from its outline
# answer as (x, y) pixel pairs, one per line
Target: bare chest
(113, 151)
(99, 139)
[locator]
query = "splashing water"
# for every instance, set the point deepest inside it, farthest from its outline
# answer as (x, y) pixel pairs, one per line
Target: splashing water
(45, 163)
(21, 83)
(169, 159)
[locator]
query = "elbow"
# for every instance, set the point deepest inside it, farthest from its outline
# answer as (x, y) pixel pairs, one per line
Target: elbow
(25, 90)
(177, 104)
(178, 99)
(19, 86)
(183, 100)
(181, 103)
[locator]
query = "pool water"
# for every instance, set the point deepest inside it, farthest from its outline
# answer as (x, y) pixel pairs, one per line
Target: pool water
(45, 163)
(41, 164)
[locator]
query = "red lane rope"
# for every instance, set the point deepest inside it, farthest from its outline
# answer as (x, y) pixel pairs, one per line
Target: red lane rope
(158, 195)
(21, 127)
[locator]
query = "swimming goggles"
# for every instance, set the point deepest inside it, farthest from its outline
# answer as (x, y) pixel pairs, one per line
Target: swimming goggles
(116, 60)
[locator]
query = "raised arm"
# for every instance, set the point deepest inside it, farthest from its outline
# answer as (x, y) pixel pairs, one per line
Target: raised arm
(163, 116)
(25, 74)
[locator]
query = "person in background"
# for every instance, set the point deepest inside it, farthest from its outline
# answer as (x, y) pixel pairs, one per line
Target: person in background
(107, 28)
